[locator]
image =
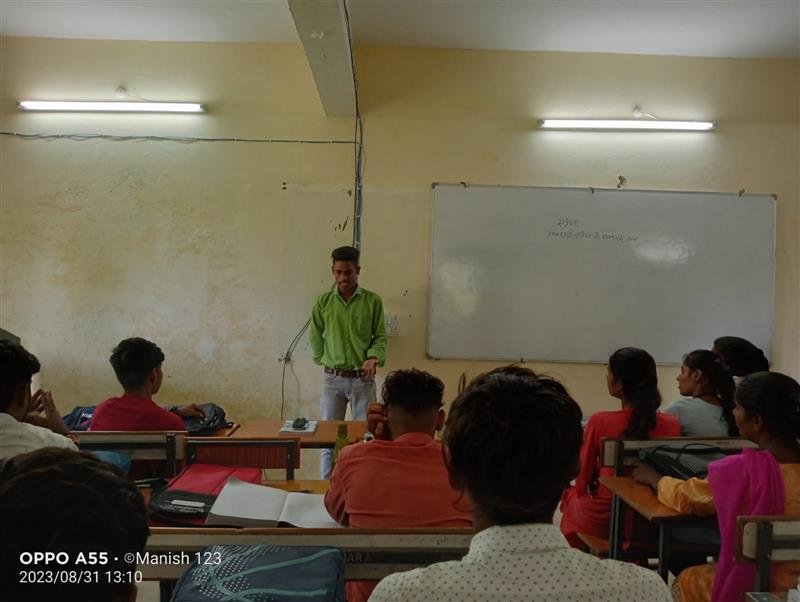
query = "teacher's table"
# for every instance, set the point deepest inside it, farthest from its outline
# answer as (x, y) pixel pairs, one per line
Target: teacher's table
(643, 500)
(323, 437)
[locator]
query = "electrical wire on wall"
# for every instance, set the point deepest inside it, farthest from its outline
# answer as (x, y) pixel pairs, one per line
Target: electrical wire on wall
(358, 159)
(358, 139)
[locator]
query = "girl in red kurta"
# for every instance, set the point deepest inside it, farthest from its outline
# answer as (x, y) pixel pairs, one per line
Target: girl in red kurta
(632, 379)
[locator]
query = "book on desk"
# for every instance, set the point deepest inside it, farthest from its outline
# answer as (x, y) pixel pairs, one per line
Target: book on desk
(241, 504)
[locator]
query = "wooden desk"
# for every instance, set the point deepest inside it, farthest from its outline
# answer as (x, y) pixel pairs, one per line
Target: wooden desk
(225, 431)
(323, 437)
(301, 485)
(644, 501)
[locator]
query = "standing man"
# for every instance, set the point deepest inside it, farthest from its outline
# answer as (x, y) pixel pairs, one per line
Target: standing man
(348, 339)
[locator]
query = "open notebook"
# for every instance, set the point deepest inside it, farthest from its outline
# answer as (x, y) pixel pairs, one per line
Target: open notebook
(241, 504)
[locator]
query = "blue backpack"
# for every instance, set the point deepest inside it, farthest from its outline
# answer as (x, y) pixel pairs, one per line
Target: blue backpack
(264, 572)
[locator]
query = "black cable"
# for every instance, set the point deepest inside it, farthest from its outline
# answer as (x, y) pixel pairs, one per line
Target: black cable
(358, 158)
(287, 357)
(358, 139)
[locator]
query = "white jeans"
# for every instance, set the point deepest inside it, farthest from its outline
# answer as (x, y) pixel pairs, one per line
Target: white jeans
(336, 392)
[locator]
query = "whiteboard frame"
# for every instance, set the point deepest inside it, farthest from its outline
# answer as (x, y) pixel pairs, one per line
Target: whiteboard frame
(770, 197)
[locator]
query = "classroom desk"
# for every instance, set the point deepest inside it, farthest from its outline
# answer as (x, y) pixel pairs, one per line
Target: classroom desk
(301, 485)
(643, 500)
(225, 431)
(323, 437)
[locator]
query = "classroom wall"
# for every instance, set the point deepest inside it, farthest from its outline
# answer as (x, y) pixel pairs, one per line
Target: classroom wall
(215, 250)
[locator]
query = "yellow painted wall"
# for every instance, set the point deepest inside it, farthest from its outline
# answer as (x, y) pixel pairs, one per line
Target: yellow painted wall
(216, 250)
(455, 115)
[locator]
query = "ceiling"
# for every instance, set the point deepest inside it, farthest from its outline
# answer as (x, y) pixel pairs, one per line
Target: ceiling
(712, 28)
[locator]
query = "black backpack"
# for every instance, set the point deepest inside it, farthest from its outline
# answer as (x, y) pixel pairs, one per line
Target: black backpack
(214, 419)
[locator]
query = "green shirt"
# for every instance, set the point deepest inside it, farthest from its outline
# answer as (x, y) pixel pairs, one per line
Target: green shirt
(343, 335)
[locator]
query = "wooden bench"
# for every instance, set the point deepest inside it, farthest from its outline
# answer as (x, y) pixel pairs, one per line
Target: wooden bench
(620, 453)
(370, 553)
(596, 546)
(167, 446)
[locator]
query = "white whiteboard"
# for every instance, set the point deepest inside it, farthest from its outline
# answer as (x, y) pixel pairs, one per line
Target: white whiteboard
(568, 274)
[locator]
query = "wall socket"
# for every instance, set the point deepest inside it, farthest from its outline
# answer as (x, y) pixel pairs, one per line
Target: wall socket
(392, 324)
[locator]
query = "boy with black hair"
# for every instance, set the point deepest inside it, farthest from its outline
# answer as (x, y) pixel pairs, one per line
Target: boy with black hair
(401, 481)
(67, 502)
(27, 422)
(513, 443)
(137, 364)
(348, 339)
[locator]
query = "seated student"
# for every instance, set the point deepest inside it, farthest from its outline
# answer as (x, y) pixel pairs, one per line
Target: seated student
(707, 387)
(740, 356)
(401, 481)
(512, 445)
(632, 379)
(57, 500)
(137, 364)
(755, 482)
(26, 423)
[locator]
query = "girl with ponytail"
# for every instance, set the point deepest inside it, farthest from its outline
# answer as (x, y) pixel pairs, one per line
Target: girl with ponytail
(632, 379)
(707, 387)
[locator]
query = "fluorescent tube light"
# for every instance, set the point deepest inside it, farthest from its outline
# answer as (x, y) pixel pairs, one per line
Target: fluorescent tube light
(115, 106)
(626, 124)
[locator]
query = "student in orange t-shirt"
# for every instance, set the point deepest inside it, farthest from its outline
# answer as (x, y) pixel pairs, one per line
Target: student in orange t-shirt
(399, 481)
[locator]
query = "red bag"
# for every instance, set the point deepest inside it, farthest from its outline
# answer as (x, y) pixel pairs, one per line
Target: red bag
(187, 498)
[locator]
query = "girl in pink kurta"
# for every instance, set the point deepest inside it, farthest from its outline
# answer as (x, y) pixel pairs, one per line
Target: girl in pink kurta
(755, 482)
(632, 379)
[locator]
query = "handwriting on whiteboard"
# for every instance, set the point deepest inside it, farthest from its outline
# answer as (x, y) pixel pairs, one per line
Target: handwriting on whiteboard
(573, 234)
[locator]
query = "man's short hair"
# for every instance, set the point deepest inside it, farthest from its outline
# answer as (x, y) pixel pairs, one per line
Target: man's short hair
(346, 254)
(17, 366)
(68, 502)
(412, 390)
(133, 360)
(513, 444)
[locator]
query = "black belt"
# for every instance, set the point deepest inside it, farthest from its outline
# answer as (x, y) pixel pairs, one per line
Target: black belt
(344, 373)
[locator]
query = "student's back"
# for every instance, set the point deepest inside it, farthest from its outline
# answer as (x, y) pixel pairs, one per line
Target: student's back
(401, 481)
(513, 442)
(698, 418)
(137, 363)
(133, 413)
(631, 378)
(613, 425)
(524, 563)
